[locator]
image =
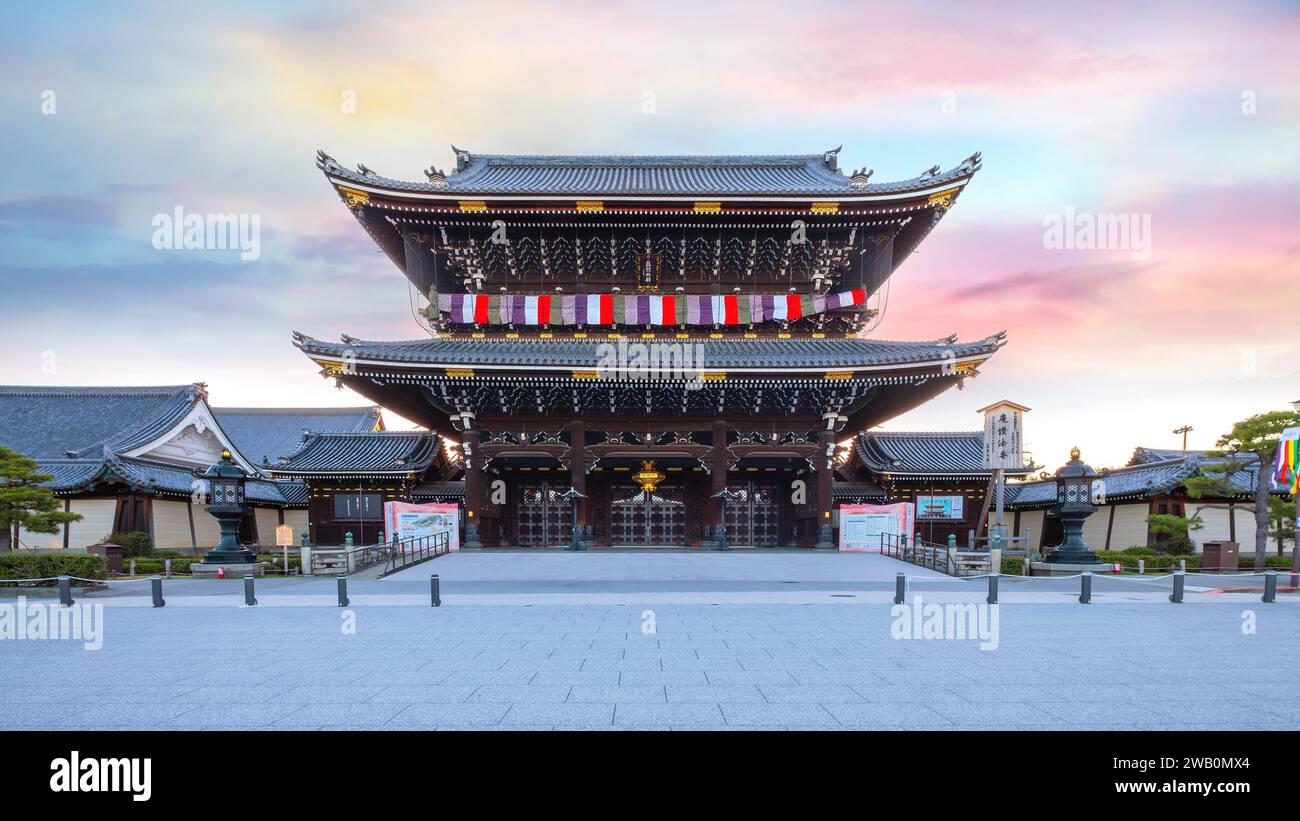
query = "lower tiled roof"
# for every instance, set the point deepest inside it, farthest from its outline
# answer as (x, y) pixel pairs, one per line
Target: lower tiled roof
(377, 452)
(720, 354)
(925, 454)
(1145, 479)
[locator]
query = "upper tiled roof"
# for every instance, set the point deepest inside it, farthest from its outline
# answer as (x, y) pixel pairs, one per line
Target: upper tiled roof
(651, 175)
(379, 452)
(439, 490)
(50, 422)
(720, 354)
(266, 434)
(1150, 478)
(925, 454)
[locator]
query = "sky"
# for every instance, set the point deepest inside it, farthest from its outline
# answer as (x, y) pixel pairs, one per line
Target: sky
(1181, 117)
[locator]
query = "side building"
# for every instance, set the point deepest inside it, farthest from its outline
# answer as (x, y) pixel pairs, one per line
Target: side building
(1153, 482)
(123, 458)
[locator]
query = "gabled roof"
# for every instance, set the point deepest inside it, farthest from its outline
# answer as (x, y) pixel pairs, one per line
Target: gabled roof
(1150, 478)
(377, 453)
(916, 454)
(722, 354)
(266, 434)
(648, 175)
(70, 422)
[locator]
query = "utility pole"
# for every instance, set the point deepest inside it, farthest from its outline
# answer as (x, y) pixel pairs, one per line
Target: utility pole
(1184, 430)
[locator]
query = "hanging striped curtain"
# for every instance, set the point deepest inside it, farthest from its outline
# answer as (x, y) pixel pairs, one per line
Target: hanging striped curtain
(640, 309)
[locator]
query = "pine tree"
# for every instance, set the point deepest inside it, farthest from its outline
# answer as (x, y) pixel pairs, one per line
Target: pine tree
(24, 503)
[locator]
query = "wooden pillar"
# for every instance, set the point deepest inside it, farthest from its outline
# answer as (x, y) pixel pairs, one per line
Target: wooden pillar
(473, 486)
(718, 474)
(825, 475)
(578, 470)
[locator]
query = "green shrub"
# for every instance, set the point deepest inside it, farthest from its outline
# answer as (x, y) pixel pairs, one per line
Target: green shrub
(157, 567)
(1140, 551)
(1013, 566)
(24, 565)
(136, 543)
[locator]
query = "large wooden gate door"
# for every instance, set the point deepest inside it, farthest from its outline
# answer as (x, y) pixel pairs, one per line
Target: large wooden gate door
(640, 517)
(544, 516)
(753, 515)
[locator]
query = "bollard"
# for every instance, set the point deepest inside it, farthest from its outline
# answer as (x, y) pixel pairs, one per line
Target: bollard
(343, 591)
(1142, 567)
(249, 598)
(167, 567)
(993, 589)
(1270, 587)
(65, 591)
(900, 588)
(155, 587)
(1085, 587)
(434, 593)
(1182, 565)
(132, 573)
(1177, 596)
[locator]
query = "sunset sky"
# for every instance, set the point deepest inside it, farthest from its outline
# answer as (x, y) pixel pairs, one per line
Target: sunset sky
(1185, 113)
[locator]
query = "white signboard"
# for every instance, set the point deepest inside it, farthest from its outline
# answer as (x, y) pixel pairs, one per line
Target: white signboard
(1004, 445)
(861, 526)
(284, 536)
(940, 507)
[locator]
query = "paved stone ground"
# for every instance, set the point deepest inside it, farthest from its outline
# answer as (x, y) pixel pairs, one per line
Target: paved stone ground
(1123, 665)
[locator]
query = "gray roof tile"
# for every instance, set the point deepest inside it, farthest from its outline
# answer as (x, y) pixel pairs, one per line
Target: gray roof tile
(903, 453)
(717, 354)
(269, 433)
(361, 453)
(702, 175)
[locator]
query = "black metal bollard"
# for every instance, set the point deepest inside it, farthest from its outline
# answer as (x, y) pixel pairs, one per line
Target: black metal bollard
(249, 598)
(435, 595)
(993, 589)
(1085, 588)
(343, 591)
(1177, 596)
(900, 588)
(65, 591)
(155, 587)
(1270, 587)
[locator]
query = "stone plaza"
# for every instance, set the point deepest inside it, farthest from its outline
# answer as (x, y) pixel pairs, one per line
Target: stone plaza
(658, 641)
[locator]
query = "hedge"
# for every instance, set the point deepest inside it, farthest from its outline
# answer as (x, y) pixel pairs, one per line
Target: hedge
(24, 565)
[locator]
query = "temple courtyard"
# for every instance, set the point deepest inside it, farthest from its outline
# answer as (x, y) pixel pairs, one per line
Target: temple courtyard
(663, 640)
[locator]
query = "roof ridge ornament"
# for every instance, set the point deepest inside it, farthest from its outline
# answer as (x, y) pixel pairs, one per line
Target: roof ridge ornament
(930, 172)
(832, 158)
(325, 160)
(972, 162)
(861, 177)
(437, 177)
(462, 157)
(367, 172)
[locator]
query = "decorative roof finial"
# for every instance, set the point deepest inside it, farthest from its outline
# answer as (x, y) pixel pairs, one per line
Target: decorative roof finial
(973, 160)
(1075, 453)
(930, 172)
(323, 159)
(366, 171)
(462, 158)
(831, 158)
(437, 178)
(860, 178)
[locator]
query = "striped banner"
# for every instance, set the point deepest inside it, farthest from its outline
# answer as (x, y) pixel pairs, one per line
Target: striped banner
(640, 309)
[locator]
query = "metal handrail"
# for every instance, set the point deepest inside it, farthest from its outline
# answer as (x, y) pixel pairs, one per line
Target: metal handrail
(416, 549)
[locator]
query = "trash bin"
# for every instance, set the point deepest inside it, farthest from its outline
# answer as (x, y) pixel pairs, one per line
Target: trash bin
(112, 554)
(1219, 556)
